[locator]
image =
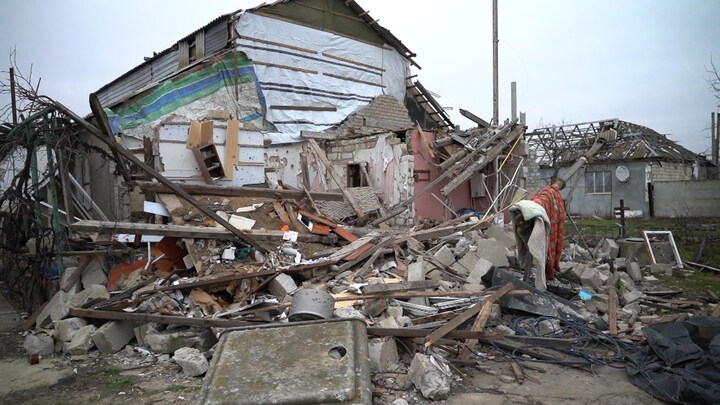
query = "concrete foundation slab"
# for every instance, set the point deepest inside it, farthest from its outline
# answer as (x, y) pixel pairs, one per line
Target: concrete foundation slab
(254, 366)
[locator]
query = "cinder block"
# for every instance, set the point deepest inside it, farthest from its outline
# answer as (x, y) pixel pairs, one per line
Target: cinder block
(113, 336)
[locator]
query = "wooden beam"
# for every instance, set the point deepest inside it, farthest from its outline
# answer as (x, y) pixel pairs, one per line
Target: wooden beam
(180, 231)
(302, 108)
(211, 282)
(163, 319)
(329, 167)
(104, 133)
(480, 322)
(474, 118)
(193, 139)
(464, 316)
(205, 190)
(154, 173)
(417, 333)
(232, 149)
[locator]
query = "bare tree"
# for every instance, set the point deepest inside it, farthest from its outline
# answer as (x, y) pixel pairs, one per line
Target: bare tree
(714, 80)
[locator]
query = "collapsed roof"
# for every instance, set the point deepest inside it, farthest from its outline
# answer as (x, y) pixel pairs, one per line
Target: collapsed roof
(624, 141)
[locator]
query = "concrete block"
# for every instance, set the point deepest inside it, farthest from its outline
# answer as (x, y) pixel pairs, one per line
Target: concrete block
(113, 336)
(445, 256)
(548, 327)
(394, 311)
(660, 268)
(43, 345)
(476, 288)
(505, 330)
(92, 293)
(501, 235)
(60, 309)
(433, 382)
(143, 330)
(70, 274)
(390, 323)
(635, 307)
(66, 328)
(633, 270)
(649, 319)
(282, 285)
(170, 341)
(492, 250)
(495, 313)
(416, 272)
(383, 354)
(192, 361)
(54, 308)
(575, 273)
(591, 278)
(349, 313)
(627, 315)
(81, 342)
(610, 248)
(482, 267)
(93, 275)
(630, 297)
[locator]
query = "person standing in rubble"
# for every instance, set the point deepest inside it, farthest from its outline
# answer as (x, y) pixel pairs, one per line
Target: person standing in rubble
(539, 225)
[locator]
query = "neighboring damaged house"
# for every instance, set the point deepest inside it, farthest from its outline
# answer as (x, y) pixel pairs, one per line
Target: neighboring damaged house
(631, 161)
(262, 77)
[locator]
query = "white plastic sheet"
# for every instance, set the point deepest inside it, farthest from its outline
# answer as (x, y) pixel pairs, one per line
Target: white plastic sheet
(386, 70)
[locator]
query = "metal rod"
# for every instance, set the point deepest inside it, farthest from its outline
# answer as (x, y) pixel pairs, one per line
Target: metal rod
(513, 100)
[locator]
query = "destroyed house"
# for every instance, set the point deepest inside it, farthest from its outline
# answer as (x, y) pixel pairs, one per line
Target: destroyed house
(253, 85)
(631, 161)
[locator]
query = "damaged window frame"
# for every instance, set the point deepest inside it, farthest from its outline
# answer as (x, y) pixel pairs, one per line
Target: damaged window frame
(592, 186)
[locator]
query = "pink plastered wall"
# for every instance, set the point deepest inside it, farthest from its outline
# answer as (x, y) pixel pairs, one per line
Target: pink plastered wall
(426, 206)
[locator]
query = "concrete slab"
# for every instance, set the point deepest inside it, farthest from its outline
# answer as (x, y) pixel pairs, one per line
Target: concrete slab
(254, 366)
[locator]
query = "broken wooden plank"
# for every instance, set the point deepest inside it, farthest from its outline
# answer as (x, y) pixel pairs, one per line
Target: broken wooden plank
(464, 316)
(281, 213)
(352, 262)
(211, 282)
(180, 231)
(474, 118)
(478, 325)
(329, 167)
(193, 139)
(163, 319)
(401, 286)
(232, 149)
(419, 333)
(206, 133)
(207, 190)
(612, 311)
(82, 191)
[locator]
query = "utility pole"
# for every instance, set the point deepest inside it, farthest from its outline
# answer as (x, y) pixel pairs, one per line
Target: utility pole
(714, 137)
(513, 101)
(496, 108)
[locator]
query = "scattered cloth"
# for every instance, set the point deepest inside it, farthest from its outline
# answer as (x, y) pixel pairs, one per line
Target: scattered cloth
(531, 240)
(551, 200)
(681, 363)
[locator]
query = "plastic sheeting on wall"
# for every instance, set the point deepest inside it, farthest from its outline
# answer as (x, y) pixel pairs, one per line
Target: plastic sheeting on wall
(306, 67)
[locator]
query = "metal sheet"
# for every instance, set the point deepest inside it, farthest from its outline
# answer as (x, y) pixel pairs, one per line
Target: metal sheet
(322, 362)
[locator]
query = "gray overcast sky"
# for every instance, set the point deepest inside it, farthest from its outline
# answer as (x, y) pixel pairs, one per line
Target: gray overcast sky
(574, 61)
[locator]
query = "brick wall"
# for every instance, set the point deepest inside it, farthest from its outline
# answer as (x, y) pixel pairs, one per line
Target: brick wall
(384, 112)
(668, 171)
(389, 163)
